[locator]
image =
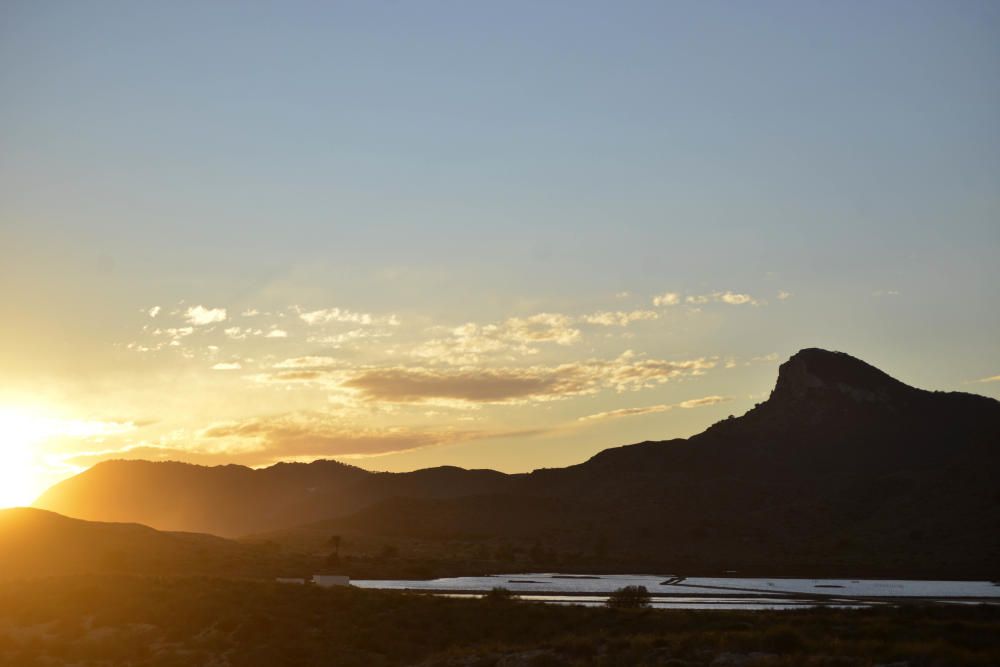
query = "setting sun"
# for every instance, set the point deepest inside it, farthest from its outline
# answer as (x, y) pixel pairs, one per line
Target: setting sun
(25, 467)
(19, 434)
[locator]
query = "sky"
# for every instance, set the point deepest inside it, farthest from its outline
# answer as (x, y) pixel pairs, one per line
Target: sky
(504, 235)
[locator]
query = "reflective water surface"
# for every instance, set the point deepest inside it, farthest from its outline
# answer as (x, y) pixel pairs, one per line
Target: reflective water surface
(703, 592)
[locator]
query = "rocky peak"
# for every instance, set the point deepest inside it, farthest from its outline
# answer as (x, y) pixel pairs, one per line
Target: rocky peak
(813, 372)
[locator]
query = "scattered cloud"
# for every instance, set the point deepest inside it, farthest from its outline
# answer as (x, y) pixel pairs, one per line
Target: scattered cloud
(667, 299)
(783, 295)
(276, 333)
(154, 311)
(541, 328)
(734, 299)
(994, 378)
(173, 334)
(201, 316)
(515, 337)
(250, 312)
(885, 292)
(727, 297)
(328, 315)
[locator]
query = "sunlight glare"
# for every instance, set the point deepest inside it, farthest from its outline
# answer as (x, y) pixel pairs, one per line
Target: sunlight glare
(22, 432)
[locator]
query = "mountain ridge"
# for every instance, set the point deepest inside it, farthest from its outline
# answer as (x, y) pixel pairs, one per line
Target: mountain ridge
(842, 465)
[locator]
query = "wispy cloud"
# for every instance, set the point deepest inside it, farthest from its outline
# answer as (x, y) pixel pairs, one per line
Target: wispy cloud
(227, 366)
(627, 412)
(993, 378)
(620, 318)
(338, 340)
(511, 385)
(319, 434)
(702, 402)
(328, 315)
(306, 362)
(653, 409)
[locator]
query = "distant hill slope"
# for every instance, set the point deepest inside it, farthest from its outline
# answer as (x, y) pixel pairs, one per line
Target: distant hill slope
(234, 500)
(37, 543)
(842, 469)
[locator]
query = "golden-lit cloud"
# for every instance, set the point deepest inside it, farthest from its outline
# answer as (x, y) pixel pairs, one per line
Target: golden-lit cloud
(994, 378)
(541, 328)
(227, 366)
(201, 316)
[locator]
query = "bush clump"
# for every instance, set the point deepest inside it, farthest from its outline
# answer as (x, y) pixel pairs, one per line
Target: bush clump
(630, 597)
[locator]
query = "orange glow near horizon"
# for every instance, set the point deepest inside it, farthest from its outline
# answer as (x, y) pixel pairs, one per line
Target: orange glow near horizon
(25, 471)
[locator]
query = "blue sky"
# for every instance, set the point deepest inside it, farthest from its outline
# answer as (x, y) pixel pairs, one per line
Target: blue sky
(457, 163)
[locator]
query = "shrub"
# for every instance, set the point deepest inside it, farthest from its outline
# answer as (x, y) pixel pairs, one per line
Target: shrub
(630, 597)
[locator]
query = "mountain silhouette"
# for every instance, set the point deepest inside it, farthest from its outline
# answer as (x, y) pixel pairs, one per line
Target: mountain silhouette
(843, 469)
